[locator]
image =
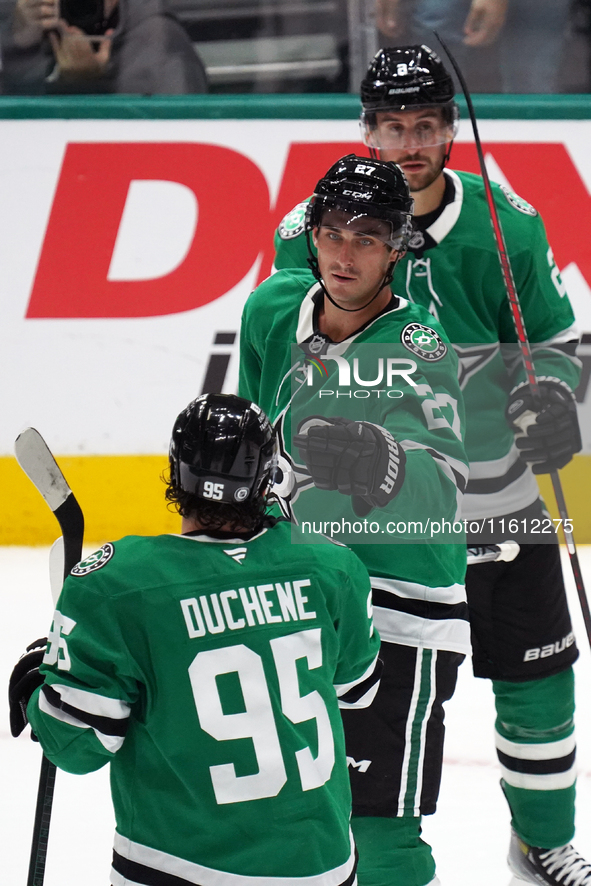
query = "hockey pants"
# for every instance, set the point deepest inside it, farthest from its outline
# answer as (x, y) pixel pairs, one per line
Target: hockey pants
(395, 751)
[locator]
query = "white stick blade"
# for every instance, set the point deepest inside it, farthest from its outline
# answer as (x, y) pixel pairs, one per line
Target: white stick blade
(36, 460)
(56, 568)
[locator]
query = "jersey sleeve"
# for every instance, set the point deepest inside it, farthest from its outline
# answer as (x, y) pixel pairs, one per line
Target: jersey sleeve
(547, 313)
(430, 426)
(81, 712)
(291, 248)
(359, 667)
(249, 373)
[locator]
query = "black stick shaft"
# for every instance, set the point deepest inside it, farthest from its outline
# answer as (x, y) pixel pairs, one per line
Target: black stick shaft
(524, 345)
(40, 838)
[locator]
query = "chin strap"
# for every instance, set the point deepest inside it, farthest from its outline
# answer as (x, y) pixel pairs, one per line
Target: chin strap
(313, 265)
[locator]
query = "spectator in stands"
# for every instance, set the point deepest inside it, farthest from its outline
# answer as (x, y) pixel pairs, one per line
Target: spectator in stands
(526, 38)
(128, 46)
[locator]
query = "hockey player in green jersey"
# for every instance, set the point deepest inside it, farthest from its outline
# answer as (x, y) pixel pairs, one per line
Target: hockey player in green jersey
(521, 629)
(398, 460)
(208, 669)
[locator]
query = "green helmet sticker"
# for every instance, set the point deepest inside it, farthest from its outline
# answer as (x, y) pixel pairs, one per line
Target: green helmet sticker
(292, 225)
(424, 342)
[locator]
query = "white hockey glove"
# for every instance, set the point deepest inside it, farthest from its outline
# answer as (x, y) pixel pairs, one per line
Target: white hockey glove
(547, 432)
(356, 458)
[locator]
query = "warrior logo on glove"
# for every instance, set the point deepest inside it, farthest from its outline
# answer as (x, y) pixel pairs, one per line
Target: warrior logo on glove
(357, 458)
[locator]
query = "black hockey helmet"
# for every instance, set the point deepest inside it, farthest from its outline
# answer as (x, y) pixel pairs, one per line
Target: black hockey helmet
(360, 186)
(223, 449)
(407, 78)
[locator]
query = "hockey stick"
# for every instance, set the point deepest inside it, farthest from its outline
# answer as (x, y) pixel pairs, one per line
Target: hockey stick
(523, 341)
(36, 460)
(505, 551)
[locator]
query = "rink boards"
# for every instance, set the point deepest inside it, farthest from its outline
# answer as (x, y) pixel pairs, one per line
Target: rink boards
(128, 248)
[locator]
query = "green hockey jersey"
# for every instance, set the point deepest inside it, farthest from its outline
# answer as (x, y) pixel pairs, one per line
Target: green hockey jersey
(206, 671)
(281, 352)
(452, 268)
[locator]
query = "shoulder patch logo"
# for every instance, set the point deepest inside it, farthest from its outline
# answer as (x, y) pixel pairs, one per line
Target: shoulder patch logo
(95, 561)
(518, 202)
(237, 554)
(424, 342)
(292, 225)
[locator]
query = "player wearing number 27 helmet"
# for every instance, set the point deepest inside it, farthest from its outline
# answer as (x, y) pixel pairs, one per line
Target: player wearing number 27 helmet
(362, 387)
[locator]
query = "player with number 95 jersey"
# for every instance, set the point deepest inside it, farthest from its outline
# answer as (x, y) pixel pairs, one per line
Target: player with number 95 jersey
(208, 669)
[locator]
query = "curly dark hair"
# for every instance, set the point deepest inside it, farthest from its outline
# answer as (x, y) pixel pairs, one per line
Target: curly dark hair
(244, 517)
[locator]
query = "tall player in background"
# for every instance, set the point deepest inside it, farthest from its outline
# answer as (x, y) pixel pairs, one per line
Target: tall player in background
(521, 629)
(208, 668)
(400, 460)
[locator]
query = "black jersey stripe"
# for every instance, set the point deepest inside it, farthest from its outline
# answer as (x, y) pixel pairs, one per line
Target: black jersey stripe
(148, 876)
(104, 725)
(422, 608)
(360, 689)
(459, 478)
(488, 485)
(537, 767)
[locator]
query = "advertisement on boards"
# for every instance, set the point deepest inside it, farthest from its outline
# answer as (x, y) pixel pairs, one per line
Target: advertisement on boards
(129, 247)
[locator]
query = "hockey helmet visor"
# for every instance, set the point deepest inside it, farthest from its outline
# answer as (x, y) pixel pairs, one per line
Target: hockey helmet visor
(408, 78)
(364, 189)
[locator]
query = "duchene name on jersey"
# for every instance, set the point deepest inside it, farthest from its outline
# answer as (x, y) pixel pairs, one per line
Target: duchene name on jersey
(250, 606)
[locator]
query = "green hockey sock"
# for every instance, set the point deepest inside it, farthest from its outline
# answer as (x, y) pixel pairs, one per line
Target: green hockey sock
(535, 746)
(391, 852)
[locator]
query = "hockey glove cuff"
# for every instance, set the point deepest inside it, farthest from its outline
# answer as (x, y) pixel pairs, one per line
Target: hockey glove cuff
(24, 679)
(356, 458)
(547, 430)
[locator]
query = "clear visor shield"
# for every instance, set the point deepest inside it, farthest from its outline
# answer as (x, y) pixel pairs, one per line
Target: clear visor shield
(361, 227)
(405, 130)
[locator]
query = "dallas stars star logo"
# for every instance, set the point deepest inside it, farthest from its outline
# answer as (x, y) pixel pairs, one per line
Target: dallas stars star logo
(424, 342)
(471, 360)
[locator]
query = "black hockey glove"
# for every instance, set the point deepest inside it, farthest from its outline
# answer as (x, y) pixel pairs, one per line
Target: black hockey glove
(547, 432)
(23, 681)
(358, 458)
